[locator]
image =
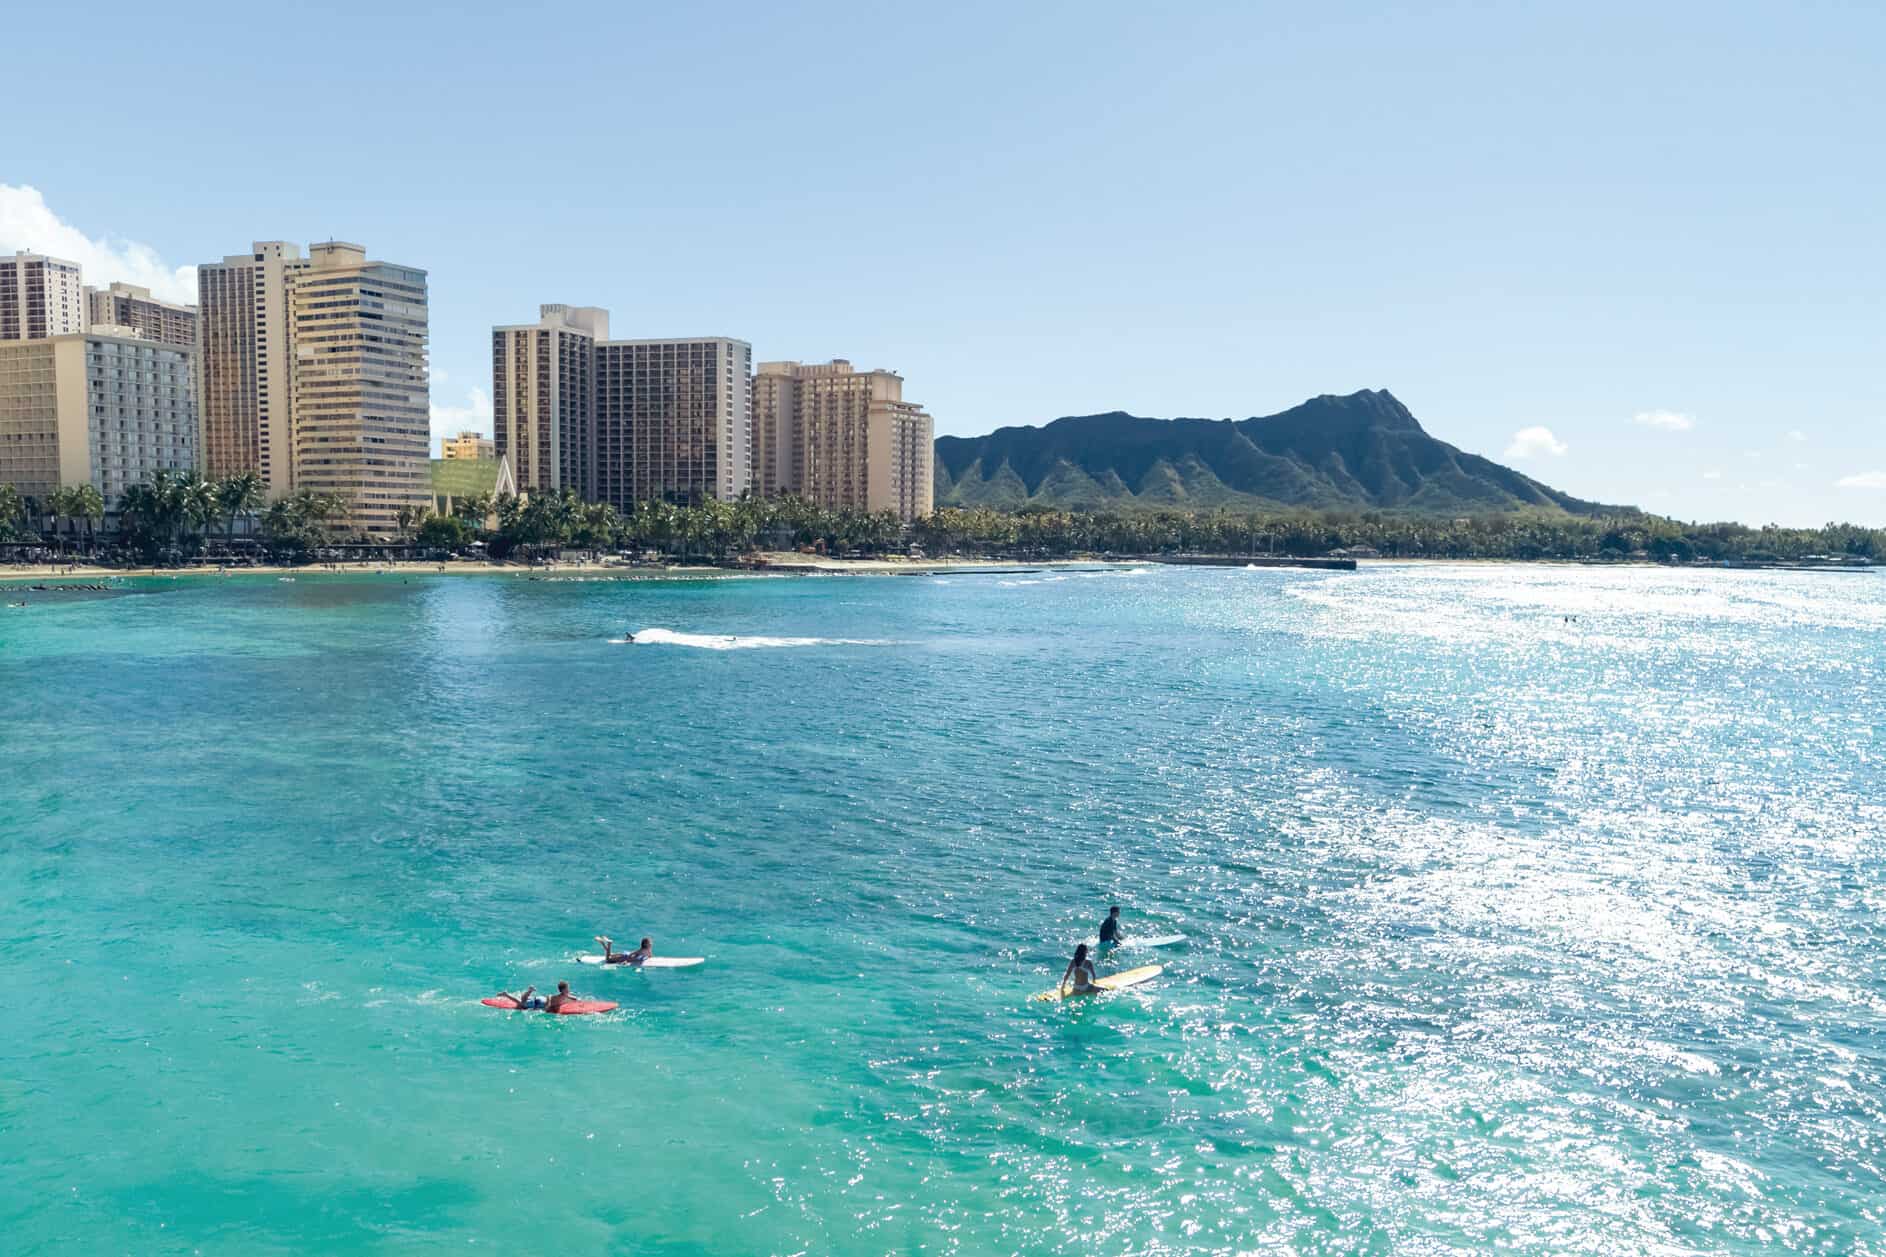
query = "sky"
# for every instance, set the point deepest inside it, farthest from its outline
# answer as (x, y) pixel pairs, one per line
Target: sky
(1636, 251)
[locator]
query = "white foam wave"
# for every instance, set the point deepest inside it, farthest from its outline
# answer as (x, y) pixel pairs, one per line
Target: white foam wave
(729, 641)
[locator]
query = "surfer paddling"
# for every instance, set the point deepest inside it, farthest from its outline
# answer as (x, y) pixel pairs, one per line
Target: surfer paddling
(610, 956)
(1112, 934)
(526, 1003)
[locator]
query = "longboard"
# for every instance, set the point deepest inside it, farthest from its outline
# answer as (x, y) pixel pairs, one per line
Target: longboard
(1112, 982)
(1132, 940)
(653, 962)
(571, 1009)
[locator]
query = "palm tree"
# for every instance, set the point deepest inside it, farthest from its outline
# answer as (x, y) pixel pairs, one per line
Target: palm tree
(407, 518)
(473, 508)
(85, 502)
(240, 494)
(12, 508)
(55, 508)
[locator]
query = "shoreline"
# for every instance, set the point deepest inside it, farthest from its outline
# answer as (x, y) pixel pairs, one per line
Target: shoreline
(781, 563)
(774, 564)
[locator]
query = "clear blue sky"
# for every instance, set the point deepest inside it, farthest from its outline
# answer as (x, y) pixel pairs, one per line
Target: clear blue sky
(1557, 217)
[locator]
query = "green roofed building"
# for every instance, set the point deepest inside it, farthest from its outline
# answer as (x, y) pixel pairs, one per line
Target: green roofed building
(454, 478)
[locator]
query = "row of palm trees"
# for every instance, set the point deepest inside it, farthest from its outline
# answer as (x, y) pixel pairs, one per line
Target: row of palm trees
(173, 508)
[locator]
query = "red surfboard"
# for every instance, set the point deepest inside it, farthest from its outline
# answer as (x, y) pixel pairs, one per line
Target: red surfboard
(570, 1009)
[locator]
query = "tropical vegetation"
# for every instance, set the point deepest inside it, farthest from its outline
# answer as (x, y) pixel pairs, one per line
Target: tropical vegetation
(174, 515)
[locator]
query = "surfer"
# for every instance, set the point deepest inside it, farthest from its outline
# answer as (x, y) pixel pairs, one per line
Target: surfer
(610, 956)
(1110, 932)
(523, 1000)
(1080, 970)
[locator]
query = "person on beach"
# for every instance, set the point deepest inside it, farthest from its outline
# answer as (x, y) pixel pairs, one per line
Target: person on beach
(1111, 934)
(610, 956)
(1080, 971)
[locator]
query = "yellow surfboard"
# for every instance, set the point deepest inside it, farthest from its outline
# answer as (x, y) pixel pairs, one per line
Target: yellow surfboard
(1112, 982)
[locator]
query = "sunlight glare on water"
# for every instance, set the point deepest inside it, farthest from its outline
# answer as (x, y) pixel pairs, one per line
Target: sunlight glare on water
(1529, 909)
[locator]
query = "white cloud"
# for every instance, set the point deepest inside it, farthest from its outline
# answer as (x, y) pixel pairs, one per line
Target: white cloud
(27, 222)
(1862, 480)
(1668, 420)
(1795, 434)
(1533, 442)
(473, 416)
(1712, 474)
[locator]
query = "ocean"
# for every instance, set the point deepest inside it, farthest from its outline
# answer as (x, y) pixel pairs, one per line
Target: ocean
(1528, 909)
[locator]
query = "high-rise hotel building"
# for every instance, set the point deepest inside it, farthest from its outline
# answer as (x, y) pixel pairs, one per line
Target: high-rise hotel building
(127, 305)
(245, 351)
(543, 398)
(360, 401)
(674, 420)
(841, 438)
(104, 407)
(40, 297)
(621, 421)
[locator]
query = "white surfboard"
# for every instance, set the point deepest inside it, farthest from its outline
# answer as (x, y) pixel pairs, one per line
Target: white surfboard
(653, 962)
(1133, 940)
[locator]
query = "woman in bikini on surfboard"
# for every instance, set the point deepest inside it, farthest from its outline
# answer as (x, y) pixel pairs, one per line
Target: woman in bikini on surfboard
(1080, 969)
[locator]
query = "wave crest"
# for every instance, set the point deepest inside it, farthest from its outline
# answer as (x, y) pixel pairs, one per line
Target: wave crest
(729, 641)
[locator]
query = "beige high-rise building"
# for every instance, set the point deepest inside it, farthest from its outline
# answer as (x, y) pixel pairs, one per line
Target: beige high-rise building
(674, 420)
(841, 438)
(104, 408)
(360, 400)
(543, 398)
(40, 297)
(127, 305)
(467, 447)
(245, 355)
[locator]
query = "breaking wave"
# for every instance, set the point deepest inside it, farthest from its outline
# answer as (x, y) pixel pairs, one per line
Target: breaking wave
(728, 641)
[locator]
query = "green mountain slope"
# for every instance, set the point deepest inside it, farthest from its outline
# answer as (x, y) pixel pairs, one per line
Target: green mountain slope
(1360, 452)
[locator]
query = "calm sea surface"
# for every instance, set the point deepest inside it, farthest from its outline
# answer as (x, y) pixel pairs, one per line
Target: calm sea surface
(1531, 910)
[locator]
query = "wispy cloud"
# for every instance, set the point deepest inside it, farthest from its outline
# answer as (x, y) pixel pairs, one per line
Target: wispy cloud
(27, 222)
(1795, 434)
(1667, 420)
(1712, 474)
(474, 415)
(1535, 442)
(1862, 480)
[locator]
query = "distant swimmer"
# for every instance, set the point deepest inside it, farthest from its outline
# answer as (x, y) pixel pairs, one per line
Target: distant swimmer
(1111, 932)
(1080, 972)
(610, 956)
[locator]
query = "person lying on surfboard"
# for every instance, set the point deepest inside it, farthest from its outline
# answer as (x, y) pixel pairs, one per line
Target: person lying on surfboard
(1080, 969)
(551, 1005)
(523, 1000)
(1111, 933)
(610, 956)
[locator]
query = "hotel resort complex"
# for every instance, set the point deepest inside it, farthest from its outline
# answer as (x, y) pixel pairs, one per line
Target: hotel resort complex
(310, 371)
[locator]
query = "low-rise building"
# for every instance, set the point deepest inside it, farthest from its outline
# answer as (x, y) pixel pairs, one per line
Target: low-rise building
(468, 446)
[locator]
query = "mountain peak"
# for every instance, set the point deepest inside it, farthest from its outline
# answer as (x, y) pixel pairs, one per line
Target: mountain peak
(1354, 451)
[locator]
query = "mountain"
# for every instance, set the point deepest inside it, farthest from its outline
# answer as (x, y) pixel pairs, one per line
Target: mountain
(1360, 452)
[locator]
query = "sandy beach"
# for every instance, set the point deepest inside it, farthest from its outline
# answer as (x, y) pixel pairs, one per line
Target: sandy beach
(778, 563)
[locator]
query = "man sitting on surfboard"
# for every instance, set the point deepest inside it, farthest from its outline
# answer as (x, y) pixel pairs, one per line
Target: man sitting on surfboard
(1111, 934)
(610, 956)
(1081, 970)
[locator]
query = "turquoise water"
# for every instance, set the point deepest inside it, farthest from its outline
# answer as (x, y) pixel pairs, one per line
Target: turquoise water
(1509, 931)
